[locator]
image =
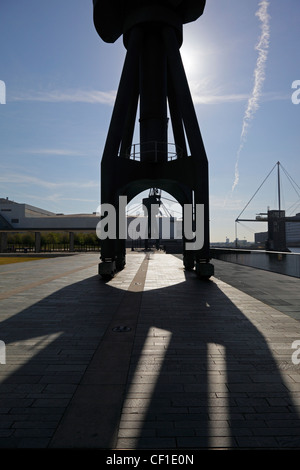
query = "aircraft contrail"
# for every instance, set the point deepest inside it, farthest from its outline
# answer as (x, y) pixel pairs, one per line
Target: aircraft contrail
(259, 76)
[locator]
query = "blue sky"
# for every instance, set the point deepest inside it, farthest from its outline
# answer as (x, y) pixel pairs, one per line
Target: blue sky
(61, 80)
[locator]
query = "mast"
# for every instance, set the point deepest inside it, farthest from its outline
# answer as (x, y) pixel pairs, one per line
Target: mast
(278, 179)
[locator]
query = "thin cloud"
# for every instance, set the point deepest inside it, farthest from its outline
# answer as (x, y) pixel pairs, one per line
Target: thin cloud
(219, 99)
(204, 91)
(70, 96)
(236, 98)
(200, 94)
(55, 152)
(55, 198)
(259, 77)
(217, 202)
(60, 197)
(19, 178)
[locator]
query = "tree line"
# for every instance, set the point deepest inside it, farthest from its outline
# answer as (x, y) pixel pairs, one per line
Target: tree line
(52, 241)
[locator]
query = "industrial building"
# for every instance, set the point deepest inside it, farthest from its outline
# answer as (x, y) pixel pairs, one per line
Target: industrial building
(18, 216)
(21, 217)
(287, 228)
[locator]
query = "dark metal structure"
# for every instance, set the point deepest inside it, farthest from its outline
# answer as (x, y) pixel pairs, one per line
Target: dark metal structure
(153, 80)
(276, 219)
(153, 201)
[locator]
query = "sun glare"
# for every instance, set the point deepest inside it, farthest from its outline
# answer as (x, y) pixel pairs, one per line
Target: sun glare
(192, 61)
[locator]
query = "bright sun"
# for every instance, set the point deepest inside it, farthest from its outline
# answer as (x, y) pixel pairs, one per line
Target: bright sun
(192, 60)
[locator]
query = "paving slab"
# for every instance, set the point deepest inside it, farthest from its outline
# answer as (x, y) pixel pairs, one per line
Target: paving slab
(153, 359)
(276, 290)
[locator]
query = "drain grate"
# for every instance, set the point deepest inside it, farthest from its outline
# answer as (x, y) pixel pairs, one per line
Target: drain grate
(121, 329)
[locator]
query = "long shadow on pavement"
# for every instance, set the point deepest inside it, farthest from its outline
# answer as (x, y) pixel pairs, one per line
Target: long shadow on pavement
(218, 383)
(208, 378)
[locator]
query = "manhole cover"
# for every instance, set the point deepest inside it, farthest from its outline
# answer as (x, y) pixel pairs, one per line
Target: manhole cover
(121, 329)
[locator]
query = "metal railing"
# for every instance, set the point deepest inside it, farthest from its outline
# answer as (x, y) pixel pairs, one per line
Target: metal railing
(154, 152)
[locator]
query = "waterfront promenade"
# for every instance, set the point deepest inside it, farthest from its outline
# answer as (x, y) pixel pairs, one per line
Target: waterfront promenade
(153, 359)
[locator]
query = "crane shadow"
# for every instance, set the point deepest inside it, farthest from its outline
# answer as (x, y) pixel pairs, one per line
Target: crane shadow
(200, 375)
(218, 384)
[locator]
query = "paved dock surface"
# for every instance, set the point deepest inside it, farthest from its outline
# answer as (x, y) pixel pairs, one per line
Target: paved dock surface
(153, 359)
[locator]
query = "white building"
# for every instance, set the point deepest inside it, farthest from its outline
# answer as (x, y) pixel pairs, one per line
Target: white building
(18, 216)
